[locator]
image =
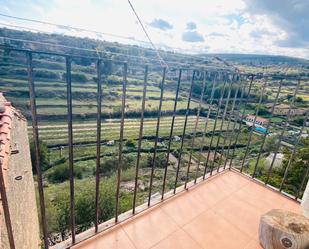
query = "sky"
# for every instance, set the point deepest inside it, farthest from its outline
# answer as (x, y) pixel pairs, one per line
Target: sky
(276, 27)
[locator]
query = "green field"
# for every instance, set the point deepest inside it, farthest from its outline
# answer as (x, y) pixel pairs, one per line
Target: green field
(53, 134)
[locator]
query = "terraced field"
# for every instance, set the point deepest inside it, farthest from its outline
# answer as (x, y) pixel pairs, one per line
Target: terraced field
(86, 131)
(51, 97)
(51, 94)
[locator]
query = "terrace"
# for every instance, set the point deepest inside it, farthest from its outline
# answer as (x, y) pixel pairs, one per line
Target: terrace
(208, 191)
(222, 212)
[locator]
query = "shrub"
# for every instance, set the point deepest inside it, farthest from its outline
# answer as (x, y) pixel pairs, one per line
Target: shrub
(160, 161)
(263, 111)
(17, 71)
(130, 143)
(46, 74)
(44, 156)
(129, 160)
(58, 206)
(109, 165)
(61, 173)
(76, 77)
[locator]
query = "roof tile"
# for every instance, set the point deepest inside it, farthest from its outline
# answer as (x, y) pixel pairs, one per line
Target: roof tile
(6, 114)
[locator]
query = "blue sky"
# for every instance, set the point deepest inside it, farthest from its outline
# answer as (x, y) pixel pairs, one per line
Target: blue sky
(195, 26)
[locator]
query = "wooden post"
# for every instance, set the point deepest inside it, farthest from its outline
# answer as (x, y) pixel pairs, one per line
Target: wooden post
(282, 229)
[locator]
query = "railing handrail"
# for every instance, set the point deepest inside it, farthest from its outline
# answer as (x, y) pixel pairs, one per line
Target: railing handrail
(220, 110)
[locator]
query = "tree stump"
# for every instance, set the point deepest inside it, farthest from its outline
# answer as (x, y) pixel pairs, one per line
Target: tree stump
(282, 229)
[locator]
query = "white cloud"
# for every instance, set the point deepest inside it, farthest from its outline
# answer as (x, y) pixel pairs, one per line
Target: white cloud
(226, 26)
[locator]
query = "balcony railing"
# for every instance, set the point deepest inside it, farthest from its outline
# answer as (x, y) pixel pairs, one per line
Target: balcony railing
(220, 138)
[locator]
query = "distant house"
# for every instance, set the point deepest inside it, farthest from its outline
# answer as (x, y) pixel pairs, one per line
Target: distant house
(304, 134)
(177, 138)
(110, 143)
(283, 110)
(259, 121)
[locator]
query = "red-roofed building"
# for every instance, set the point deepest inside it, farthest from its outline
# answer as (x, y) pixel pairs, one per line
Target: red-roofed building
(259, 121)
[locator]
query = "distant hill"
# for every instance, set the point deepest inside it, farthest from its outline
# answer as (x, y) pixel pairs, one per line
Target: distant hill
(256, 59)
(92, 47)
(134, 53)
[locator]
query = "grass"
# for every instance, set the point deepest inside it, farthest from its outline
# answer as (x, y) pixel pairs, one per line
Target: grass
(54, 134)
(51, 97)
(51, 101)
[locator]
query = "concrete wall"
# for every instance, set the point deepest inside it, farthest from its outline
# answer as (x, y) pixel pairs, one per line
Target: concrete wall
(305, 201)
(20, 190)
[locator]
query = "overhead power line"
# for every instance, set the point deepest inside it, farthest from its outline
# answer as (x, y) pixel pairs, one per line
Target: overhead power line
(146, 33)
(141, 48)
(68, 27)
(76, 48)
(97, 51)
(23, 27)
(88, 30)
(79, 29)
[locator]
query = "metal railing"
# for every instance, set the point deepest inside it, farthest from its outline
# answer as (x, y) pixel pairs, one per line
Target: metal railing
(225, 98)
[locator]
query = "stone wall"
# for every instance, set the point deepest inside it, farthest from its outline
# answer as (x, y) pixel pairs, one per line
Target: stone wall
(20, 190)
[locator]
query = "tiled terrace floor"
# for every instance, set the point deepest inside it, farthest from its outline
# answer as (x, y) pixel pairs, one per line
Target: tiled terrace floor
(222, 212)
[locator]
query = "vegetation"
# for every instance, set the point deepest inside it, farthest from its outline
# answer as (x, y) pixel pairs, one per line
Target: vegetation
(44, 156)
(297, 171)
(51, 87)
(61, 173)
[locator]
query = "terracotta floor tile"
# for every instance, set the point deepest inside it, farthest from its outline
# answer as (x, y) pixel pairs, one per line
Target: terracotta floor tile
(251, 197)
(184, 208)
(177, 240)
(220, 213)
(292, 206)
(213, 232)
(241, 214)
(150, 228)
(112, 239)
(210, 192)
(233, 180)
(253, 245)
(261, 197)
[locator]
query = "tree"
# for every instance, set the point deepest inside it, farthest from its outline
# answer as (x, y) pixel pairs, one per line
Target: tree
(58, 213)
(297, 170)
(160, 161)
(46, 74)
(270, 144)
(129, 160)
(263, 111)
(299, 100)
(299, 120)
(289, 96)
(107, 67)
(83, 61)
(197, 89)
(109, 165)
(44, 156)
(76, 77)
(85, 209)
(58, 206)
